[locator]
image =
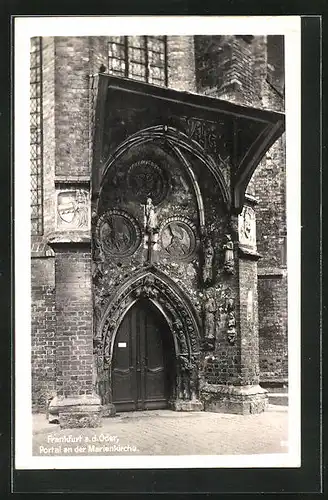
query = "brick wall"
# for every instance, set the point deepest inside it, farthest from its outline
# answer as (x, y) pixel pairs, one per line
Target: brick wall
(269, 185)
(251, 72)
(48, 81)
(181, 63)
(67, 145)
(226, 67)
(72, 105)
(212, 56)
(269, 182)
(74, 348)
(273, 328)
(248, 317)
(43, 332)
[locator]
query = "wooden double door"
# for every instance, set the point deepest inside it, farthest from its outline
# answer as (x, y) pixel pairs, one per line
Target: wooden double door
(143, 360)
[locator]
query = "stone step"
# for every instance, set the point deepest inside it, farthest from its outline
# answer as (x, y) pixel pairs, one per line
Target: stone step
(278, 398)
(272, 387)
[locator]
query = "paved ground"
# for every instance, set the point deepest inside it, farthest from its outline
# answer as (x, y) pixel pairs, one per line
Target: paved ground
(166, 432)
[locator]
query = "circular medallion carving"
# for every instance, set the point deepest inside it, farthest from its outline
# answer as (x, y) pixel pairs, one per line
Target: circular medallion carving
(178, 238)
(118, 233)
(147, 179)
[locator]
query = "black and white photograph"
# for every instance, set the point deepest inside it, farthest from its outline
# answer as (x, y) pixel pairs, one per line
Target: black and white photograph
(158, 228)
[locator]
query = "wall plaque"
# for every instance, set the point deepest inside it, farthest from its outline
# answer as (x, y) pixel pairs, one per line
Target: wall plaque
(247, 226)
(73, 209)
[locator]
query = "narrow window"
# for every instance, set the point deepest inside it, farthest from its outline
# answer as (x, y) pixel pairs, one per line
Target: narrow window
(36, 160)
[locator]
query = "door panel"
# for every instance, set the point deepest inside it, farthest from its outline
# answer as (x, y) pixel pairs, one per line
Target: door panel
(123, 366)
(154, 366)
(142, 360)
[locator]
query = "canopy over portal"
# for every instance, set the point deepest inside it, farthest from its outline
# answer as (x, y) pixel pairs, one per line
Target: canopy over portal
(231, 139)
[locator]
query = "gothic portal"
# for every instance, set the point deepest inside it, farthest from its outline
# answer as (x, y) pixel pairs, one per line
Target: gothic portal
(174, 250)
(146, 265)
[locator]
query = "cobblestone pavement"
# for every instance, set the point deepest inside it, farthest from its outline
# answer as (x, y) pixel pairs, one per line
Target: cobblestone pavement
(166, 432)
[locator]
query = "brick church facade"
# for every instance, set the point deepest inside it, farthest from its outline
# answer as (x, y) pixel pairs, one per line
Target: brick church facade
(158, 224)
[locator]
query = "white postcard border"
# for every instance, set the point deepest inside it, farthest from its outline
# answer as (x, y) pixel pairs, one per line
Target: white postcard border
(26, 27)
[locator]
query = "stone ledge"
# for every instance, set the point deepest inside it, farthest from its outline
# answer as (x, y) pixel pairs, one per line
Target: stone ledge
(182, 405)
(42, 255)
(242, 400)
(239, 390)
(71, 179)
(251, 200)
(63, 403)
(271, 272)
(69, 237)
(248, 253)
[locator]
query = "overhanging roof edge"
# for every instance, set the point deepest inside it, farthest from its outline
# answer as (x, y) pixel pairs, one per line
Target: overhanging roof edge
(211, 104)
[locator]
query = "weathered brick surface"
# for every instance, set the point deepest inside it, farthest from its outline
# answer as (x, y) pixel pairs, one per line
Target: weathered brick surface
(212, 56)
(273, 329)
(72, 105)
(43, 333)
(181, 63)
(253, 74)
(269, 186)
(248, 317)
(270, 179)
(48, 92)
(74, 322)
(226, 68)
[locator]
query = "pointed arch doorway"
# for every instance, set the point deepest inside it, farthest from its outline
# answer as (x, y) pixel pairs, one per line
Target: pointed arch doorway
(143, 367)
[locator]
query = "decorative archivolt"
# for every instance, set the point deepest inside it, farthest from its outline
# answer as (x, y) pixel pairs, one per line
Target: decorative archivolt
(179, 143)
(155, 286)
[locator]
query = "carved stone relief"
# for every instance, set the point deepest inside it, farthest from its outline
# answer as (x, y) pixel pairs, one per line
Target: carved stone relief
(118, 234)
(247, 226)
(210, 311)
(178, 238)
(208, 252)
(228, 248)
(147, 179)
(209, 135)
(153, 288)
(73, 209)
(231, 321)
(179, 319)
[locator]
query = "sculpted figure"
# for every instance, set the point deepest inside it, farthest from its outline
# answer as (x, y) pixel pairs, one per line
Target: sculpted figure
(228, 255)
(185, 368)
(81, 208)
(231, 331)
(179, 244)
(193, 379)
(210, 308)
(208, 261)
(150, 216)
(178, 328)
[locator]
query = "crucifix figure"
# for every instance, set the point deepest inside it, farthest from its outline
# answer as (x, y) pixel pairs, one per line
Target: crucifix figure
(150, 223)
